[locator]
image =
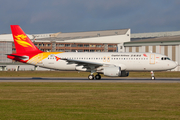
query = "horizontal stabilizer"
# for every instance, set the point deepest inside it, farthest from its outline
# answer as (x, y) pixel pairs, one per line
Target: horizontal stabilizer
(23, 57)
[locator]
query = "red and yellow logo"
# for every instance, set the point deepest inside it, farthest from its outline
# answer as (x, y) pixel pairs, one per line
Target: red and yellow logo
(21, 40)
(57, 58)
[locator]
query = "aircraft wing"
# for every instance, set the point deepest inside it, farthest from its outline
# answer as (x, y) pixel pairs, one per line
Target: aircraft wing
(84, 63)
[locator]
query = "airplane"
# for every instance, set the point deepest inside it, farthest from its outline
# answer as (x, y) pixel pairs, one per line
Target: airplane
(112, 64)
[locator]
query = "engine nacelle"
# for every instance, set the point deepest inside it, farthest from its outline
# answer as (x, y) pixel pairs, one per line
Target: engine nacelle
(115, 72)
(112, 71)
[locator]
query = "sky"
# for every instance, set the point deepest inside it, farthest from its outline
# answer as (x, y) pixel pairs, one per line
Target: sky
(52, 16)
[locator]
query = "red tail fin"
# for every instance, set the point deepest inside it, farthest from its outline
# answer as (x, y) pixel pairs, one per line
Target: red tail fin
(22, 42)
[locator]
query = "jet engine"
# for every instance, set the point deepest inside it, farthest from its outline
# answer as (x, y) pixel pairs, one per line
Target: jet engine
(112, 71)
(115, 72)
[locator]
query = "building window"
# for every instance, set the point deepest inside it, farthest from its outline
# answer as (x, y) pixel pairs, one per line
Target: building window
(73, 45)
(98, 50)
(80, 50)
(60, 45)
(48, 45)
(73, 50)
(98, 45)
(80, 45)
(86, 45)
(92, 45)
(86, 50)
(110, 46)
(67, 45)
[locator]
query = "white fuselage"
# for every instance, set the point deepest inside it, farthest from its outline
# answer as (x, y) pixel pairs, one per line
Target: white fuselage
(127, 61)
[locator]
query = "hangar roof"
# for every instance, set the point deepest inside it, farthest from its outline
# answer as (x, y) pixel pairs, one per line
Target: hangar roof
(78, 35)
(174, 40)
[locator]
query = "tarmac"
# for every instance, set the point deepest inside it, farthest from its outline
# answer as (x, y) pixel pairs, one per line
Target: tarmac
(85, 80)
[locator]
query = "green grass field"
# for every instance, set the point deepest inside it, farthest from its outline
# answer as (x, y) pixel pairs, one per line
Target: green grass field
(79, 101)
(78, 74)
(87, 101)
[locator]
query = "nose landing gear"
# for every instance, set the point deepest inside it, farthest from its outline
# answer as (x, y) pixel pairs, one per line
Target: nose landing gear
(152, 75)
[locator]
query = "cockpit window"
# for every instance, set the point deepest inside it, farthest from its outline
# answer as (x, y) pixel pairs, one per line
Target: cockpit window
(165, 58)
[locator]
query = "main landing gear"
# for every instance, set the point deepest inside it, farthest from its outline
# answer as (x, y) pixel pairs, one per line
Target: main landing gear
(97, 77)
(152, 75)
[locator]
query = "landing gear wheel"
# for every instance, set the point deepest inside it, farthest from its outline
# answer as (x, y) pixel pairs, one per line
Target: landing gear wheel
(91, 77)
(98, 77)
(152, 78)
(152, 75)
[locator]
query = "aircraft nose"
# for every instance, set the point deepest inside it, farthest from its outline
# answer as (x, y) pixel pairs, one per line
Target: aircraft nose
(174, 64)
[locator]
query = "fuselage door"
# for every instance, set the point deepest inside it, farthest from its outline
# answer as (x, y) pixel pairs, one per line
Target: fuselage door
(152, 58)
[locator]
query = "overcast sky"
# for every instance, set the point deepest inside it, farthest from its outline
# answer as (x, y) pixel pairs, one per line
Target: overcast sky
(51, 16)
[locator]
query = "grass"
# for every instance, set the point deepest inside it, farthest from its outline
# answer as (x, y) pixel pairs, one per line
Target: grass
(97, 101)
(76, 74)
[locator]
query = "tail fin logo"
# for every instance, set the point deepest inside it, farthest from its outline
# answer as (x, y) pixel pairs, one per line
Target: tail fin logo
(21, 40)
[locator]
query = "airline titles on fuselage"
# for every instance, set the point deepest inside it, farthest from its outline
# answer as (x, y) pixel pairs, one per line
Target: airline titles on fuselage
(126, 55)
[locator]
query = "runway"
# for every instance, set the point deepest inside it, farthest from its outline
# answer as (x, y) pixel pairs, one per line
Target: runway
(85, 80)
